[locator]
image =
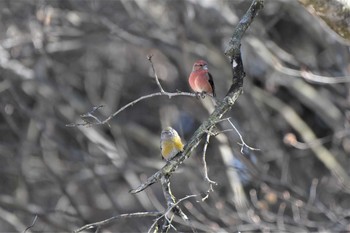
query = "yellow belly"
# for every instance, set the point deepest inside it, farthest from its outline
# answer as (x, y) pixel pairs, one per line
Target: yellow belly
(171, 148)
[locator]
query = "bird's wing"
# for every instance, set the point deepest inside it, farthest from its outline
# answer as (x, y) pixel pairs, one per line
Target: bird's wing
(211, 81)
(161, 149)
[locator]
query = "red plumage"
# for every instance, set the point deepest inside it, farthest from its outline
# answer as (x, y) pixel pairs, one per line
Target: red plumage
(200, 79)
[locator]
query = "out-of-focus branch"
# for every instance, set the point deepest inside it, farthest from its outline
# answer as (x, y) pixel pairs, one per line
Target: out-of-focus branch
(335, 13)
(279, 64)
(234, 54)
(13, 220)
(291, 140)
(321, 152)
(14, 65)
(321, 104)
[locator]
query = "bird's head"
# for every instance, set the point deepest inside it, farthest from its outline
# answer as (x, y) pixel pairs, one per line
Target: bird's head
(168, 133)
(200, 65)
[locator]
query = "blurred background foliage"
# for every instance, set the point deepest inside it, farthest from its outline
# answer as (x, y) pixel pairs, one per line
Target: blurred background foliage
(59, 59)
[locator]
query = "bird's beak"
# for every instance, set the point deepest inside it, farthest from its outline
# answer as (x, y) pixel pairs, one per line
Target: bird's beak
(205, 67)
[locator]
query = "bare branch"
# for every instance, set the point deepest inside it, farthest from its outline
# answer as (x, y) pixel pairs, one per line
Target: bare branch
(234, 45)
(100, 122)
(31, 225)
(87, 118)
(170, 199)
(206, 177)
(243, 144)
(170, 209)
(155, 74)
(234, 54)
(122, 216)
(164, 93)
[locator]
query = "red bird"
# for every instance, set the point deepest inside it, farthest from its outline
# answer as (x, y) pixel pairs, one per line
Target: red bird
(200, 79)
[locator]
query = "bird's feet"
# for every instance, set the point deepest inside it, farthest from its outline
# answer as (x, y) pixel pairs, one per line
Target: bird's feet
(201, 95)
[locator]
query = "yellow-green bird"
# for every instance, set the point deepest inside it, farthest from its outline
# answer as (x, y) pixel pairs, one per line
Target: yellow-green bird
(170, 143)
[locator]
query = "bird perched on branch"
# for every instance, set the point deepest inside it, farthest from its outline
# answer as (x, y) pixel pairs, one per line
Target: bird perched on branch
(200, 79)
(170, 143)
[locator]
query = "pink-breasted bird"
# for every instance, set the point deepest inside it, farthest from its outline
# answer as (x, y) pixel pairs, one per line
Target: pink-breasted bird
(200, 79)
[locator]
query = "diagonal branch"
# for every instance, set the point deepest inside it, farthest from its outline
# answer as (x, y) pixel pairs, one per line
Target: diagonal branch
(234, 54)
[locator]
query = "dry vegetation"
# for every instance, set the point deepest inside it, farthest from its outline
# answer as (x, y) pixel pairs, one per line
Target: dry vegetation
(60, 59)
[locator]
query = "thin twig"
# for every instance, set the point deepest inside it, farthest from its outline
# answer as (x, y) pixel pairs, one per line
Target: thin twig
(170, 199)
(31, 225)
(206, 177)
(149, 57)
(164, 93)
(109, 220)
(170, 209)
(87, 118)
(169, 94)
(243, 144)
